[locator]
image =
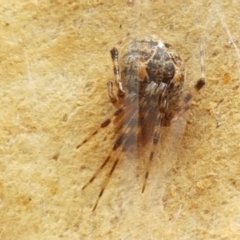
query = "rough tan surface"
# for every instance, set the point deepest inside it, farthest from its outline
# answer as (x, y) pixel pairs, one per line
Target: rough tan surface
(54, 67)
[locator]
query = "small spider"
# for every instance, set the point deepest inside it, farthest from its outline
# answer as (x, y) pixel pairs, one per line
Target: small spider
(149, 79)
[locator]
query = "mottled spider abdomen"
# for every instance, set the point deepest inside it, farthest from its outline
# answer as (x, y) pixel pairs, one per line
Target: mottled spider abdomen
(151, 60)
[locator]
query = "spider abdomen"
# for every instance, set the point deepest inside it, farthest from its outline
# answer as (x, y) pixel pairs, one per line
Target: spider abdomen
(151, 61)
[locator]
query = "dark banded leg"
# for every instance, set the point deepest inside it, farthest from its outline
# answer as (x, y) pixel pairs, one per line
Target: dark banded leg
(119, 99)
(114, 55)
(103, 125)
(106, 183)
(120, 144)
(161, 114)
(112, 97)
(155, 140)
(190, 95)
(129, 104)
(117, 144)
(184, 105)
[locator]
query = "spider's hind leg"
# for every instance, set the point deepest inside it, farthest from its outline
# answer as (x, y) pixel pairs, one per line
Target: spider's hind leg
(119, 113)
(103, 125)
(157, 94)
(120, 145)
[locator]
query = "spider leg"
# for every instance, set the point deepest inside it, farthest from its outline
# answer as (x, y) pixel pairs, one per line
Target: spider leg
(184, 104)
(118, 82)
(155, 140)
(122, 141)
(126, 127)
(117, 144)
(130, 101)
(111, 94)
(103, 125)
(160, 91)
(106, 182)
(115, 60)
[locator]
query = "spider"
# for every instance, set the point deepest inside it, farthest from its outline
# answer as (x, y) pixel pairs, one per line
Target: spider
(149, 79)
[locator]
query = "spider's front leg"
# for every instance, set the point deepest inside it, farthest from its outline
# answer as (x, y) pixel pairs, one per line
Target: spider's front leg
(184, 105)
(116, 100)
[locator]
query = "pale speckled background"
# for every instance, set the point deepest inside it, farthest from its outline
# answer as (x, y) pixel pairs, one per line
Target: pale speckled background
(54, 67)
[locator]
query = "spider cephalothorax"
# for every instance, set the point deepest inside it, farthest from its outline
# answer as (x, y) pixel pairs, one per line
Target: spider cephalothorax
(149, 78)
